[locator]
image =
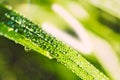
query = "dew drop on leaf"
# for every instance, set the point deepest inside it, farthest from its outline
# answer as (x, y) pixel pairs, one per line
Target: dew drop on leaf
(16, 30)
(27, 49)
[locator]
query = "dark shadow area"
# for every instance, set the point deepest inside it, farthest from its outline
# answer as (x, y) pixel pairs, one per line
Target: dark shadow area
(22, 65)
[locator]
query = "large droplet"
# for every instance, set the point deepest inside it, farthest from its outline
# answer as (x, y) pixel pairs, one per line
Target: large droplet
(27, 49)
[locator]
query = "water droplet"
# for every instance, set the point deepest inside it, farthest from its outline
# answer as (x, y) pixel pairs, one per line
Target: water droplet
(12, 18)
(7, 15)
(27, 49)
(64, 52)
(10, 29)
(78, 55)
(16, 30)
(55, 54)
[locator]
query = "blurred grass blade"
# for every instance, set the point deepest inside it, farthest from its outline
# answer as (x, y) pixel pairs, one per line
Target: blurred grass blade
(77, 27)
(25, 32)
(109, 39)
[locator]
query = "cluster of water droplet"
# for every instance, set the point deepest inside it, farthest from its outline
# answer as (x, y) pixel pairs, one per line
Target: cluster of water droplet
(57, 49)
(31, 31)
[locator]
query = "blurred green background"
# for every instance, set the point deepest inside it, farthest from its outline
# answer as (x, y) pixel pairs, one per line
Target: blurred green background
(100, 18)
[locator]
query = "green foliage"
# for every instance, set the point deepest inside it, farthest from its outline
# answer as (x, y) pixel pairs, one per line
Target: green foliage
(30, 35)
